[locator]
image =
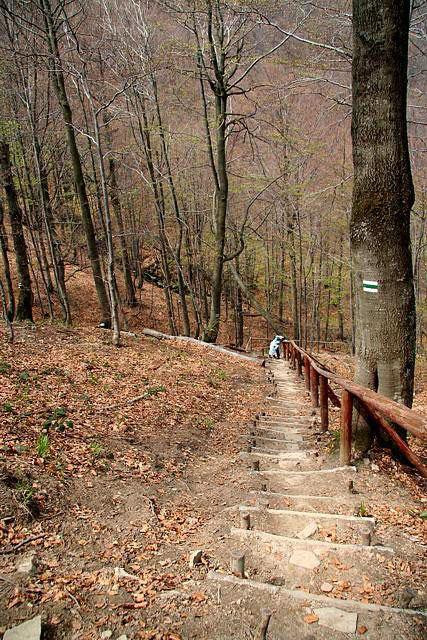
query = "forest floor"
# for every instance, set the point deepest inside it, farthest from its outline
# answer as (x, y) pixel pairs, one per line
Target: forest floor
(120, 485)
(117, 464)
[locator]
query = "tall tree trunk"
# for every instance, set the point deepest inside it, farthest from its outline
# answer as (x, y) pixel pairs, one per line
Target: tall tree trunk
(52, 236)
(178, 216)
(382, 199)
(340, 294)
(210, 333)
(10, 304)
(111, 273)
(238, 310)
(61, 93)
(24, 307)
(115, 201)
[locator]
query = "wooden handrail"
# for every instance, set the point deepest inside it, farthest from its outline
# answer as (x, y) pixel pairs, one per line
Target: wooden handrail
(398, 413)
(374, 407)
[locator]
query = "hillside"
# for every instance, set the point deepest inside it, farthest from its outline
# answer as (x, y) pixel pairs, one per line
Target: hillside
(110, 458)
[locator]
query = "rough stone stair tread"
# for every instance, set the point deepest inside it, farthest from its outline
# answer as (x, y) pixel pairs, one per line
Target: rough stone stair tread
(311, 514)
(300, 594)
(267, 538)
(321, 471)
(303, 496)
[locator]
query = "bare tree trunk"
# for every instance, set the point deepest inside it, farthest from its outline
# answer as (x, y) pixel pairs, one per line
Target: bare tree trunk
(24, 307)
(340, 294)
(178, 217)
(61, 93)
(210, 333)
(111, 274)
(115, 201)
(6, 312)
(144, 132)
(10, 306)
(238, 310)
(328, 302)
(52, 236)
(382, 199)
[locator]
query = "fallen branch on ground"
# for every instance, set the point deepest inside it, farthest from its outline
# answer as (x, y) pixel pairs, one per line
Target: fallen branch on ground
(22, 543)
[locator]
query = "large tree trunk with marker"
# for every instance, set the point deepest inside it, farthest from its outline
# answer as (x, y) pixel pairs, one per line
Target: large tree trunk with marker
(382, 199)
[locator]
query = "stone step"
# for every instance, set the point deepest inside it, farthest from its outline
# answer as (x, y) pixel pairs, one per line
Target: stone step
(337, 618)
(278, 444)
(313, 525)
(279, 455)
(286, 420)
(288, 434)
(321, 548)
(276, 461)
(284, 401)
(336, 504)
(318, 482)
(317, 566)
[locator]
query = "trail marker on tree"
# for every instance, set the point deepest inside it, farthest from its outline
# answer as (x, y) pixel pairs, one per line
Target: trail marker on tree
(370, 286)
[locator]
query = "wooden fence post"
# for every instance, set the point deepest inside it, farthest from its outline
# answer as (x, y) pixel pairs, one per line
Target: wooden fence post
(314, 387)
(299, 366)
(346, 419)
(307, 372)
(324, 410)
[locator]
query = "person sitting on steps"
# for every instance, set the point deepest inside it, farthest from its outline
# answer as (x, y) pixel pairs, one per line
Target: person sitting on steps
(274, 350)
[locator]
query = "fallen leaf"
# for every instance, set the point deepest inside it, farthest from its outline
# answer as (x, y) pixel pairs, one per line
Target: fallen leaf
(198, 596)
(310, 618)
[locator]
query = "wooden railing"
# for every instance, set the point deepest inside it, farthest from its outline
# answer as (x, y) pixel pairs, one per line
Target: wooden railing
(376, 409)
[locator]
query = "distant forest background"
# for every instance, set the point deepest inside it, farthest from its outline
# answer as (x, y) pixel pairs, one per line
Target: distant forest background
(201, 146)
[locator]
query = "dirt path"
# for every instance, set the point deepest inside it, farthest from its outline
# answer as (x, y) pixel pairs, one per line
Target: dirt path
(314, 560)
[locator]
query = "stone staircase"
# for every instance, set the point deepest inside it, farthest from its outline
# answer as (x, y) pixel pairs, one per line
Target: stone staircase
(299, 537)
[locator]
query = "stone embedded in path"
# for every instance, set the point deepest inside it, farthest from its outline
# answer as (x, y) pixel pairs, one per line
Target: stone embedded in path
(309, 530)
(304, 559)
(29, 630)
(28, 564)
(337, 619)
(195, 558)
(119, 572)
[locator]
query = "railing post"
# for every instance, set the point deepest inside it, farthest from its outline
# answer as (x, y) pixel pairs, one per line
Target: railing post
(324, 411)
(299, 367)
(346, 419)
(307, 372)
(314, 387)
